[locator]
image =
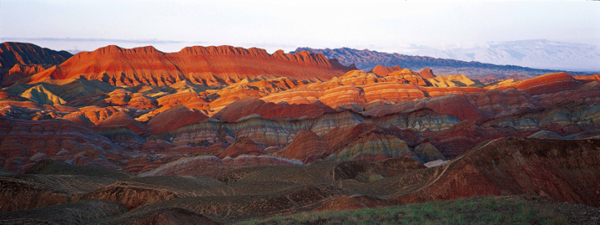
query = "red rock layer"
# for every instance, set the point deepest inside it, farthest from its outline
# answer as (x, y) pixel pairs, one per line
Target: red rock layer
(19, 71)
(19, 60)
(91, 115)
(12, 53)
(203, 65)
(190, 100)
(306, 147)
(118, 97)
(248, 106)
(592, 77)
(427, 73)
(549, 83)
(174, 118)
(244, 146)
(384, 71)
(21, 141)
(588, 94)
(456, 106)
(122, 119)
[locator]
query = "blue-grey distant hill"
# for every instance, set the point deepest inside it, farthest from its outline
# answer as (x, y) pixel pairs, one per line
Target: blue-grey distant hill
(529, 53)
(367, 60)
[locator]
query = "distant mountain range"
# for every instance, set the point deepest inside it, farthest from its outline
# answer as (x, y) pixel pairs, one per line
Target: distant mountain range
(543, 54)
(367, 60)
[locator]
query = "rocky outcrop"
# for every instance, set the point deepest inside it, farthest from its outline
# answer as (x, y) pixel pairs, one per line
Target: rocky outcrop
(122, 119)
(25, 54)
(243, 146)
(20, 60)
(203, 65)
(118, 97)
(365, 141)
(306, 147)
(453, 81)
(548, 83)
(18, 72)
(190, 100)
(427, 73)
(384, 71)
(42, 96)
(173, 119)
(453, 105)
(249, 106)
(428, 152)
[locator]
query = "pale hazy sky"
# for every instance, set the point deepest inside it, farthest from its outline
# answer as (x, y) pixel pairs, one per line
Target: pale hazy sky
(378, 25)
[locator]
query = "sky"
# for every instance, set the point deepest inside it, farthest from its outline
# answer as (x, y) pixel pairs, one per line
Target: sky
(388, 26)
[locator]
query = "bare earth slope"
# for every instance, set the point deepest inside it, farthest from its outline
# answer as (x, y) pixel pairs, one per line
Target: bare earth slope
(19, 60)
(201, 65)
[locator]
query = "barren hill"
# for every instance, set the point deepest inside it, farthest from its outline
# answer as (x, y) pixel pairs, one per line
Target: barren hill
(201, 65)
(19, 60)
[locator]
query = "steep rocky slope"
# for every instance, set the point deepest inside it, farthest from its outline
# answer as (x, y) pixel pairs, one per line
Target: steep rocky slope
(202, 65)
(20, 60)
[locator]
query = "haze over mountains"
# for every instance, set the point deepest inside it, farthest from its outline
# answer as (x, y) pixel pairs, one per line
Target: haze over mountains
(526, 58)
(540, 54)
(223, 134)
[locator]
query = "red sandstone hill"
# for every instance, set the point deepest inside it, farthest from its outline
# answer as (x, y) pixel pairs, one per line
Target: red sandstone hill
(427, 73)
(545, 84)
(202, 65)
(12, 53)
(174, 118)
(383, 70)
(19, 60)
(250, 105)
(588, 78)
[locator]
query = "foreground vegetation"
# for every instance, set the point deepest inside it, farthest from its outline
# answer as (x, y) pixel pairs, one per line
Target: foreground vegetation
(481, 210)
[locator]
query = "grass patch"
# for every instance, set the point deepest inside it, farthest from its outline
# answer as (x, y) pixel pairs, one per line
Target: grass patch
(480, 210)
